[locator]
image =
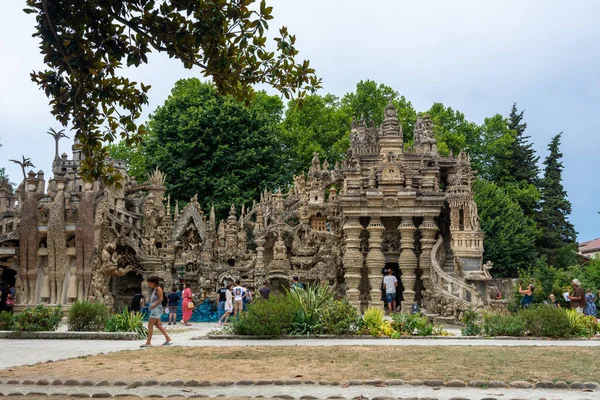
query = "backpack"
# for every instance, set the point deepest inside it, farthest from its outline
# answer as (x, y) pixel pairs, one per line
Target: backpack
(165, 301)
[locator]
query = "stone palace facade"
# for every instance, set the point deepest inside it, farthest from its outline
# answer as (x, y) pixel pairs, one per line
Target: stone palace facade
(386, 205)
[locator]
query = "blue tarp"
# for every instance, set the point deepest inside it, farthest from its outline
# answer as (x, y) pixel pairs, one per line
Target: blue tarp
(204, 312)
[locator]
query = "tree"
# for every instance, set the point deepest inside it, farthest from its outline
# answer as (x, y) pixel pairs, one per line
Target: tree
(558, 239)
(452, 130)
(217, 147)
(319, 126)
(492, 152)
(369, 100)
(509, 235)
(86, 42)
(134, 157)
(523, 166)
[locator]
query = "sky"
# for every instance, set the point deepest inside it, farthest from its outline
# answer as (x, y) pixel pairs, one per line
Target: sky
(476, 56)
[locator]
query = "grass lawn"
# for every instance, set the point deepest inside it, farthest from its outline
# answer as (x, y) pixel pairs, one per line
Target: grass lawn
(331, 363)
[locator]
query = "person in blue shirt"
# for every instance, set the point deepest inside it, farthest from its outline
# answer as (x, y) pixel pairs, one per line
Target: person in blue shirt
(173, 303)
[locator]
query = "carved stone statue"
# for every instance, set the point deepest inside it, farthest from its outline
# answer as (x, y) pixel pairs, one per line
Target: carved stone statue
(57, 245)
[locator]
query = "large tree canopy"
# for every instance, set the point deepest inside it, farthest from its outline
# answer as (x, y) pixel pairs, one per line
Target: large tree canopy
(86, 43)
(217, 147)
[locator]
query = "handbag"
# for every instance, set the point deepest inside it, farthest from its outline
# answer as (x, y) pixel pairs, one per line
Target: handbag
(191, 305)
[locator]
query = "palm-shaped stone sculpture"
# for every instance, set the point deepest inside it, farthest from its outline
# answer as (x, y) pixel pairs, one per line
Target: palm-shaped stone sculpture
(57, 136)
(24, 163)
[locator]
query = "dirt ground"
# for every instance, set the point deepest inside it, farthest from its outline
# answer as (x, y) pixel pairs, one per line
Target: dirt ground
(332, 363)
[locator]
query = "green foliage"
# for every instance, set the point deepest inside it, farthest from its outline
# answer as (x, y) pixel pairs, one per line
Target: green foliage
(582, 325)
(127, 321)
(340, 318)
(369, 100)
(216, 146)
(546, 321)
(321, 126)
(273, 317)
(86, 44)
(503, 325)
(6, 321)
(372, 321)
(472, 324)
(310, 303)
(39, 318)
(412, 324)
(88, 317)
(557, 241)
(452, 131)
(134, 157)
(509, 234)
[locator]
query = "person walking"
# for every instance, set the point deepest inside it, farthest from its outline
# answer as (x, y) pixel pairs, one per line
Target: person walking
(527, 300)
(577, 297)
(173, 304)
(590, 304)
(390, 283)
(228, 305)
(221, 299)
(188, 305)
(156, 311)
(265, 291)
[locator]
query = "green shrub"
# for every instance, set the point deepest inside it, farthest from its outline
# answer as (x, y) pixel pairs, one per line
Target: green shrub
(472, 325)
(545, 320)
(503, 325)
(40, 318)
(127, 321)
(582, 325)
(412, 324)
(88, 317)
(339, 318)
(6, 321)
(372, 321)
(310, 304)
(273, 317)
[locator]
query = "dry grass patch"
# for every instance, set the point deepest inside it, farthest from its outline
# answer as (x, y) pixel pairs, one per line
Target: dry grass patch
(332, 363)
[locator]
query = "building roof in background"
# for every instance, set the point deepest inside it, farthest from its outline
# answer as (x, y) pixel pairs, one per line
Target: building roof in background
(590, 245)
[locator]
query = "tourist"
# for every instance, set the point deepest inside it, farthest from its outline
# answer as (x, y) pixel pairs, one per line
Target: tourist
(221, 299)
(390, 283)
(238, 298)
(173, 304)
(228, 305)
(552, 301)
(187, 306)
(527, 300)
(265, 290)
(382, 288)
(590, 304)
(10, 303)
(247, 298)
(577, 297)
(156, 311)
(296, 283)
(137, 302)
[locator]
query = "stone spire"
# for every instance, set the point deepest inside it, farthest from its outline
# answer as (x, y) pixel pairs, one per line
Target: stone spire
(390, 140)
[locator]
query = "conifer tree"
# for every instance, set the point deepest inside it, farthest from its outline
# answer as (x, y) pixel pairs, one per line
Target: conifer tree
(524, 161)
(557, 241)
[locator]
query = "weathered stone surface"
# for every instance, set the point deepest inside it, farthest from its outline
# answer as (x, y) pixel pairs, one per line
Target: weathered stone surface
(136, 384)
(545, 385)
(225, 383)
(293, 382)
(150, 382)
(373, 382)
(433, 382)
(354, 383)
(103, 382)
(80, 395)
(245, 382)
(310, 382)
(177, 383)
(119, 383)
(27, 382)
(561, 385)
(15, 394)
(520, 384)
(263, 382)
(591, 385)
(383, 398)
(395, 382)
(284, 396)
(43, 382)
(198, 396)
(101, 395)
(87, 383)
(308, 397)
(72, 382)
(415, 382)
(497, 384)
(455, 383)
(576, 385)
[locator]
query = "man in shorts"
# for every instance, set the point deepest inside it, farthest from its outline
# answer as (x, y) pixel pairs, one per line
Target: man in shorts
(239, 293)
(390, 284)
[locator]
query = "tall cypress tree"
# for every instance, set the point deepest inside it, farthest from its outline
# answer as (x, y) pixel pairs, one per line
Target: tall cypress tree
(524, 161)
(557, 241)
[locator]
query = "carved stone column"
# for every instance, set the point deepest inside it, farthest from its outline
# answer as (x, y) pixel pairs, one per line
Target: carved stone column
(428, 230)
(353, 260)
(407, 261)
(375, 260)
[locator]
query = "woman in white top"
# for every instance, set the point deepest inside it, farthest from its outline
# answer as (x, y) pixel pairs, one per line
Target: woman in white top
(228, 305)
